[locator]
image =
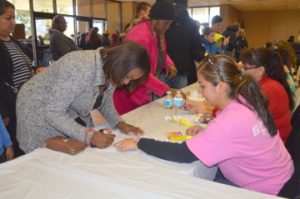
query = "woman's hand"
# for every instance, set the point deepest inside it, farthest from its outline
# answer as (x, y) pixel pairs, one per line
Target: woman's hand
(127, 128)
(102, 139)
(128, 144)
(194, 130)
(9, 152)
(171, 72)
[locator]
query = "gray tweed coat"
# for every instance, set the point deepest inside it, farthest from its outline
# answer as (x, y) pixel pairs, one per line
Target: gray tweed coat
(49, 102)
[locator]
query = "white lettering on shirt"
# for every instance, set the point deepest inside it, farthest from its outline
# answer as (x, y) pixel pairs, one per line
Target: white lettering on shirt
(259, 128)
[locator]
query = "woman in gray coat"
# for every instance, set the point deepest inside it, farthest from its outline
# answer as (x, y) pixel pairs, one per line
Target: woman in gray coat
(49, 103)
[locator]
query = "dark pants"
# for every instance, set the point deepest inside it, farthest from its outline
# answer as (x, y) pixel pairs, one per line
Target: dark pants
(221, 179)
(12, 130)
(3, 157)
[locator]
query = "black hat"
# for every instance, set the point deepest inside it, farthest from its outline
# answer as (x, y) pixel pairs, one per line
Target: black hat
(163, 10)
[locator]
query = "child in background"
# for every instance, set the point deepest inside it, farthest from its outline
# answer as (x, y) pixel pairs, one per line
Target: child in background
(6, 150)
(209, 42)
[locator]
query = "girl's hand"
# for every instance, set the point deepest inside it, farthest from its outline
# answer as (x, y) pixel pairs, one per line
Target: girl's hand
(128, 144)
(194, 130)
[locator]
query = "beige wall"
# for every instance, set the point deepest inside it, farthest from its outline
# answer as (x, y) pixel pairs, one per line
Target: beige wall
(113, 13)
(230, 15)
(128, 12)
(263, 26)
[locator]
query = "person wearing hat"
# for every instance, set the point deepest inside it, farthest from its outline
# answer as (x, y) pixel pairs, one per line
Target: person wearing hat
(150, 34)
(60, 44)
(186, 50)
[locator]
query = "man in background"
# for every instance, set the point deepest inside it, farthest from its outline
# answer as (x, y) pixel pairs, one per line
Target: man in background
(60, 44)
(184, 46)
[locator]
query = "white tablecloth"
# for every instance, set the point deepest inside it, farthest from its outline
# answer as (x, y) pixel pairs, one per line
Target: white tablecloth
(107, 173)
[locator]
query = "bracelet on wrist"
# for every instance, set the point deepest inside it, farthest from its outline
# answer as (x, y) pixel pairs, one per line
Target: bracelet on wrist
(86, 133)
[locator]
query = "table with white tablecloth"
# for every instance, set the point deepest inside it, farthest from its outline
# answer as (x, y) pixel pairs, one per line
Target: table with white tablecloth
(107, 173)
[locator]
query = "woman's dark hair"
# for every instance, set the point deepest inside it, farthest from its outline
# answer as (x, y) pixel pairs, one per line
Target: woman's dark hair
(5, 5)
(123, 58)
(221, 68)
(271, 61)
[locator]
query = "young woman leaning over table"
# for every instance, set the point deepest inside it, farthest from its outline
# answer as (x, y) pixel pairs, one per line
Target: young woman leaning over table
(49, 103)
(242, 140)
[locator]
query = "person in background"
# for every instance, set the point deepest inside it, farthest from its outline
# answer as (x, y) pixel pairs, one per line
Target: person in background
(142, 12)
(115, 38)
(242, 40)
(289, 60)
(242, 43)
(105, 38)
(242, 140)
(217, 26)
(150, 34)
(6, 149)
(60, 44)
(209, 42)
(94, 41)
(80, 81)
(265, 67)
(184, 51)
(15, 69)
(231, 32)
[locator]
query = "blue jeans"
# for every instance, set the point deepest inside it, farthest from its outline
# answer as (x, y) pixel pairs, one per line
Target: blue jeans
(221, 179)
(177, 82)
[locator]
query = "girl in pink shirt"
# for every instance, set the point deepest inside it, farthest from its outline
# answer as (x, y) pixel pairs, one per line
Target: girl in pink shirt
(242, 140)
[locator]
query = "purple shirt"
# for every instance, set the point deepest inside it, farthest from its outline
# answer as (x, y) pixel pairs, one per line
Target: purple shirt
(238, 142)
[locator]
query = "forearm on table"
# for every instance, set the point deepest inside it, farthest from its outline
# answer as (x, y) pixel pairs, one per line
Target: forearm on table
(167, 150)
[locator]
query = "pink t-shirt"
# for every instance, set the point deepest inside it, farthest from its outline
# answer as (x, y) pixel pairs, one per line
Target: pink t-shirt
(237, 141)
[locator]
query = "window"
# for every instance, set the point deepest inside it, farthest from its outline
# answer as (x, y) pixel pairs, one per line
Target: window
(64, 7)
(204, 15)
(42, 6)
(23, 15)
(100, 24)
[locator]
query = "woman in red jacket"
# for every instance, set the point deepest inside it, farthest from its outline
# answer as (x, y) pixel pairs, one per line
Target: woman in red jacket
(265, 67)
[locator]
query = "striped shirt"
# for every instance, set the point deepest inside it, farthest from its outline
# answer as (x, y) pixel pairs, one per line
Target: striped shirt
(22, 66)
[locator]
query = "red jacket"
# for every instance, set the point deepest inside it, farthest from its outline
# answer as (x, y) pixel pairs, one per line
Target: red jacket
(278, 105)
(142, 34)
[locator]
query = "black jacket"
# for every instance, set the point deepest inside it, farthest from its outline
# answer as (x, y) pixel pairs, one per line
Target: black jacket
(184, 45)
(7, 98)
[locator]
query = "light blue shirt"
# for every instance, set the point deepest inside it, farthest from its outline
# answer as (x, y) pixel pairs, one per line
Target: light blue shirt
(4, 137)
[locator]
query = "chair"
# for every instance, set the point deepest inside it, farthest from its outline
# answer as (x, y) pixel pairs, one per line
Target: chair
(291, 189)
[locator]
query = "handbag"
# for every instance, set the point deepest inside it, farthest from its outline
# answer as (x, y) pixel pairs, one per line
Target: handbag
(64, 145)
